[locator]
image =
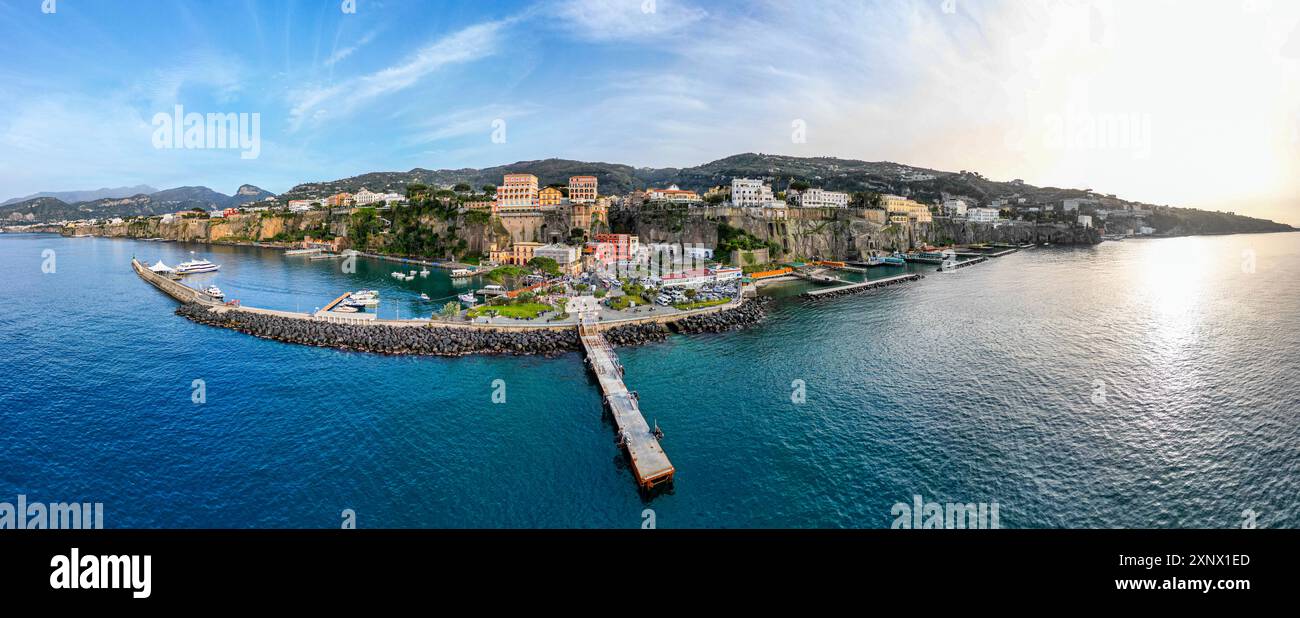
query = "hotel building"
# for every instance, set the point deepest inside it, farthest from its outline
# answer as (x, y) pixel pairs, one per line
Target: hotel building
(549, 198)
(820, 198)
(625, 245)
(747, 193)
(903, 210)
(517, 194)
(582, 189)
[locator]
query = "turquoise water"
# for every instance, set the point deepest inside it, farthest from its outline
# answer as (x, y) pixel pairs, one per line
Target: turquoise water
(982, 385)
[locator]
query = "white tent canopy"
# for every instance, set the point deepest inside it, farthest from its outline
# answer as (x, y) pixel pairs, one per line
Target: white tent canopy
(161, 268)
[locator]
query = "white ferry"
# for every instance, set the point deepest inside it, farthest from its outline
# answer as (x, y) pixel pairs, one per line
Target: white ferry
(461, 273)
(196, 266)
(214, 292)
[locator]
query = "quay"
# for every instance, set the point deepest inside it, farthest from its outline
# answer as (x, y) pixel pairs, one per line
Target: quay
(650, 464)
(861, 287)
(965, 263)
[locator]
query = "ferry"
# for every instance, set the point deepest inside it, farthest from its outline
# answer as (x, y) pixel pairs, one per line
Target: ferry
(303, 251)
(894, 260)
(492, 290)
(461, 273)
(214, 292)
(196, 266)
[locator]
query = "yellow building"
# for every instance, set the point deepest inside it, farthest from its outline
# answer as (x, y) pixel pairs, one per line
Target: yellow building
(517, 254)
(550, 197)
(903, 210)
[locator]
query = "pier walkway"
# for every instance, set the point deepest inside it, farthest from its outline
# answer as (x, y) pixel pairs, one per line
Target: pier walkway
(650, 464)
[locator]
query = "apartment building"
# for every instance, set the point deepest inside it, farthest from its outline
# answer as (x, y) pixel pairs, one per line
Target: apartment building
(582, 189)
(820, 198)
(748, 193)
(518, 193)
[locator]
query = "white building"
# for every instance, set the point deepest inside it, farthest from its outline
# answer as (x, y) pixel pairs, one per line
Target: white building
(366, 197)
(299, 205)
(746, 193)
(1074, 203)
(954, 208)
(981, 215)
(1085, 220)
(1146, 231)
(820, 198)
(565, 257)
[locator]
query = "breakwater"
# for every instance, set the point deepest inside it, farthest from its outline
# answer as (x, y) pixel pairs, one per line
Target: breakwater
(384, 338)
(748, 313)
(857, 288)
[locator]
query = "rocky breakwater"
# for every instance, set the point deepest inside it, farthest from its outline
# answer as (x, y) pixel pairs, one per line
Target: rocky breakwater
(748, 313)
(386, 339)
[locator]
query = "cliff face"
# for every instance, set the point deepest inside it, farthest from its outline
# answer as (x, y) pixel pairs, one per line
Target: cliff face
(249, 227)
(835, 233)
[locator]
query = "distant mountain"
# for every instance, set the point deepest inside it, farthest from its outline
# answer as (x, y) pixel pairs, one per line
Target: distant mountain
(72, 197)
(43, 209)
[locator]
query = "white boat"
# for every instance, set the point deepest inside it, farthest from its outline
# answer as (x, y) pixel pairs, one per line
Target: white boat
(423, 296)
(424, 272)
(196, 266)
(461, 273)
(467, 298)
(214, 292)
(302, 251)
(343, 309)
(366, 293)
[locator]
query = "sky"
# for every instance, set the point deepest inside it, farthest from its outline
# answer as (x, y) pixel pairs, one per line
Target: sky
(1182, 102)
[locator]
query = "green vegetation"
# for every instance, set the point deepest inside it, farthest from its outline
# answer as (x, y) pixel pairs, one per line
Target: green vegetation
(546, 265)
(519, 311)
(450, 310)
(501, 273)
(702, 304)
(735, 239)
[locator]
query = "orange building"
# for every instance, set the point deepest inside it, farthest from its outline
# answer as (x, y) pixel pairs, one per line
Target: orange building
(582, 189)
(625, 245)
(517, 254)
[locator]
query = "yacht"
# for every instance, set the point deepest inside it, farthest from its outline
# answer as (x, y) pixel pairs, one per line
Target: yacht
(196, 266)
(424, 272)
(461, 273)
(214, 292)
(343, 309)
(424, 297)
(467, 298)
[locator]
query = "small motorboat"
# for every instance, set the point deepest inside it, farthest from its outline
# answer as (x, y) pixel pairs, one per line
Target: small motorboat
(424, 297)
(424, 272)
(467, 298)
(343, 309)
(214, 292)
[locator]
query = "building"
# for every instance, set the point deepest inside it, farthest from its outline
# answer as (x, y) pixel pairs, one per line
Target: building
(582, 189)
(517, 254)
(1085, 220)
(583, 214)
(300, 205)
(747, 193)
(230, 212)
(1146, 231)
(954, 207)
(820, 198)
(626, 246)
(672, 195)
(981, 215)
(339, 199)
(566, 257)
(1075, 203)
(517, 193)
(600, 253)
(365, 197)
(904, 210)
(549, 198)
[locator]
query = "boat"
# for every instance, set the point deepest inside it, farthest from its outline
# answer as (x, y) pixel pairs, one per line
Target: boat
(325, 256)
(424, 272)
(397, 275)
(424, 297)
(214, 292)
(302, 251)
(461, 273)
(343, 309)
(196, 266)
(467, 298)
(894, 260)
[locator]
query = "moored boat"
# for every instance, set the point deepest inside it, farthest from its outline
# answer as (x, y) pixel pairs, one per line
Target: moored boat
(196, 266)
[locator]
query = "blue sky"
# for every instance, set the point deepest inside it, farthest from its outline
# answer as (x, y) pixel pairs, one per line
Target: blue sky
(949, 84)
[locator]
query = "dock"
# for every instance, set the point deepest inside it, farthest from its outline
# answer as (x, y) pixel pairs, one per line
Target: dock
(650, 464)
(964, 263)
(854, 288)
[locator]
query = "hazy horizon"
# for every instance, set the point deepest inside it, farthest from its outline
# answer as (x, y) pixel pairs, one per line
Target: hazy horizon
(1192, 106)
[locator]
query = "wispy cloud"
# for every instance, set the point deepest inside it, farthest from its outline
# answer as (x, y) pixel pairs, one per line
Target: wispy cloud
(625, 20)
(314, 104)
(344, 52)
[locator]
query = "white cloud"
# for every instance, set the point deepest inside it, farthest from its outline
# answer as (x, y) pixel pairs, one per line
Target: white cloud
(622, 20)
(344, 52)
(319, 102)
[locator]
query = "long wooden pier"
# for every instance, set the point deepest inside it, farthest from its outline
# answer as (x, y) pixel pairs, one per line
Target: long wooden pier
(861, 287)
(650, 464)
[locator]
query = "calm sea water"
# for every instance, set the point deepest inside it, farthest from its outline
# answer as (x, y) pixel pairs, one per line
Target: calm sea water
(1145, 383)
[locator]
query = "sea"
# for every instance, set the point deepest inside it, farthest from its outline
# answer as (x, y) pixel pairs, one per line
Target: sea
(1144, 383)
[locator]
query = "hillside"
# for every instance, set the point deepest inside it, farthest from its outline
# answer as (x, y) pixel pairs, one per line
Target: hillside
(73, 197)
(44, 209)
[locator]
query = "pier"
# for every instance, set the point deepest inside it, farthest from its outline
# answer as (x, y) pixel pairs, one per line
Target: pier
(854, 288)
(650, 464)
(964, 263)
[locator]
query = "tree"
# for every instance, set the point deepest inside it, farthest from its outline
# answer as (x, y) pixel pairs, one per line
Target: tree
(462, 187)
(450, 310)
(489, 189)
(545, 264)
(798, 185)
